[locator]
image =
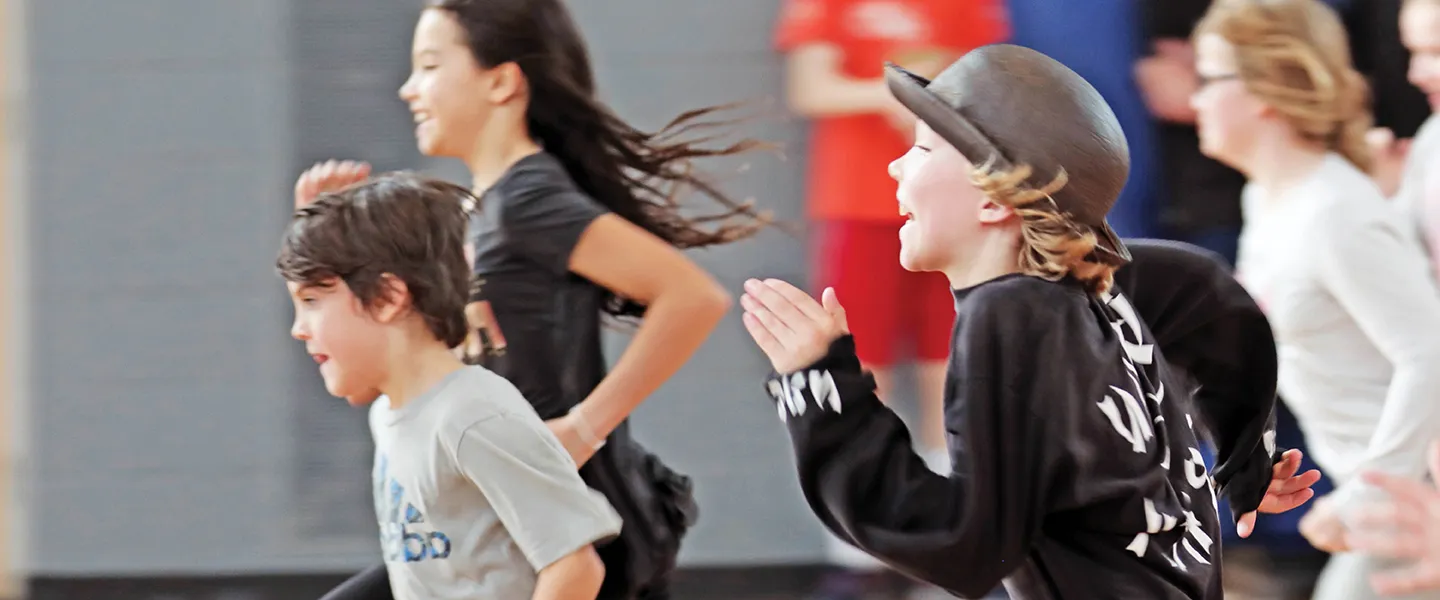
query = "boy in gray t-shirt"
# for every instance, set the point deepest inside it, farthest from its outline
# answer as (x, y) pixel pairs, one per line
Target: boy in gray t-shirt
(475, 497)
(469, 481)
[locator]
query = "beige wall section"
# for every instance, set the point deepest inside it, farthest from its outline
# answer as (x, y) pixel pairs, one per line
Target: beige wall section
(11, 580)
(7, 286)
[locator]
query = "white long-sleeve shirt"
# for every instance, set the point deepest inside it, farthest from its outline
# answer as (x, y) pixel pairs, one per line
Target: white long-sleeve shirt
(1419, 193)
(1356, 314)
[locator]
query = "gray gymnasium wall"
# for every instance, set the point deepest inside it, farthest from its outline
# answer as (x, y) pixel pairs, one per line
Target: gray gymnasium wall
(174, 425)
(159, 156)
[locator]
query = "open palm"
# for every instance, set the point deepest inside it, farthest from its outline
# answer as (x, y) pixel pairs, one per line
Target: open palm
(791, 328)
(1405, 526)
(1288, 490)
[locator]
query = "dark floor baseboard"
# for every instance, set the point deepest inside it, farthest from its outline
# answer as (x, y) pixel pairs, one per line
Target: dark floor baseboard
(706, 583)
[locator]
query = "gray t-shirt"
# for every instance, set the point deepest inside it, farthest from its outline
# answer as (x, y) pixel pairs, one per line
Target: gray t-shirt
(474, 495)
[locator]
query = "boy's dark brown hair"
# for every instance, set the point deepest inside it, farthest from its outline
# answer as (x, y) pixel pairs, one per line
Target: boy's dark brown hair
(408, 226)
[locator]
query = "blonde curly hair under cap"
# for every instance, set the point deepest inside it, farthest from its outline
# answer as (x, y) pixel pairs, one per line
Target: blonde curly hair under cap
(1294, 55)
(1045, 144)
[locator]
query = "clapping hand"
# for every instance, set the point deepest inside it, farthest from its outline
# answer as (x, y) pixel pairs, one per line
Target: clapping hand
(791, 328)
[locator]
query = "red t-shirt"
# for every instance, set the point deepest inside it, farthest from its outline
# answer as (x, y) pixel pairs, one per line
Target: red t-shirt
(848, 155)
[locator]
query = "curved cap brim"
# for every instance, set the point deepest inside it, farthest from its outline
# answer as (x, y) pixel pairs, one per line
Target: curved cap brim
(912, 91)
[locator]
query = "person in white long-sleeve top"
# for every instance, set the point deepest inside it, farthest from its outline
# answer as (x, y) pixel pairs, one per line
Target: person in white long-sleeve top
(1336, 266)
(1418, 182)
(1406, 523)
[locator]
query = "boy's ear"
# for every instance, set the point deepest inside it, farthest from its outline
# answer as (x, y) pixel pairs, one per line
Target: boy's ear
(992, 212)
(393, 300)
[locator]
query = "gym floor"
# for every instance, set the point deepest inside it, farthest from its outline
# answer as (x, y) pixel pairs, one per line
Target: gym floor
(759, 583)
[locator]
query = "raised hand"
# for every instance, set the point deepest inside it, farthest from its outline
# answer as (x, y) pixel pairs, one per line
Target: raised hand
(328, 176)
(791, 328)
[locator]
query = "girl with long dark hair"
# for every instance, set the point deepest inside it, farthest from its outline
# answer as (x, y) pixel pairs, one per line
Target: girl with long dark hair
(577, 218)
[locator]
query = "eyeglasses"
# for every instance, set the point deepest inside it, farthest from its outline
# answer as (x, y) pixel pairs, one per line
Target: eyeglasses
(1206, 80)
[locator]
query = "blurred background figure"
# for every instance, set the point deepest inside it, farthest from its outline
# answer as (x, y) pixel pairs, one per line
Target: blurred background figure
(1199, 198)
(1347, 289)
(1101, 40)
(834, 53)
(1381, 53)
(1408, 167)
(1199, 203)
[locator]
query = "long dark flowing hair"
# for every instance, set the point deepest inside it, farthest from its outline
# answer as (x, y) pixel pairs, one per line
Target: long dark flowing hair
(638, 175)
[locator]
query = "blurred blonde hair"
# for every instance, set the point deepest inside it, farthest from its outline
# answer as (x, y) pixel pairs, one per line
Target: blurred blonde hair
(1294, 55)
(1052, 245)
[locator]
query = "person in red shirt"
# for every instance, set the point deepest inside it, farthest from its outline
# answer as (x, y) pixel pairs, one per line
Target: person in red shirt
(835, 52)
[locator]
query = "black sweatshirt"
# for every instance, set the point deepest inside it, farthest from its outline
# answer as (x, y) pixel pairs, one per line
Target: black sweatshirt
(1077, 471)
(1210, 328)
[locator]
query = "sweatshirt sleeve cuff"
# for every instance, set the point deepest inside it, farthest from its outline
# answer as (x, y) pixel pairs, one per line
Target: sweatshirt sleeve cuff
(822, 384)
